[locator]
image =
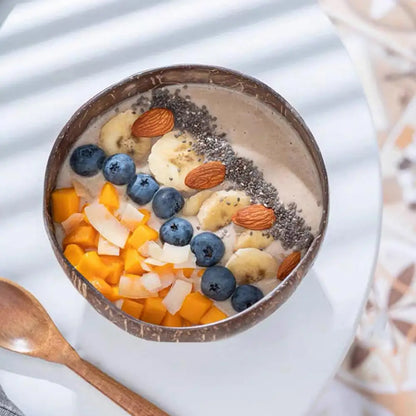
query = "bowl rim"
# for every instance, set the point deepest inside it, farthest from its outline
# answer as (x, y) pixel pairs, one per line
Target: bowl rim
(211, 331)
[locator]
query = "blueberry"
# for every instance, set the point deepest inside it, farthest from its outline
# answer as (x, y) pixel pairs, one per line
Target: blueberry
(208, 249)
(167, 202)
(87, 160)
(119, 169)
(218, 283)
(245, 296)
(142, 188)
(176, 231)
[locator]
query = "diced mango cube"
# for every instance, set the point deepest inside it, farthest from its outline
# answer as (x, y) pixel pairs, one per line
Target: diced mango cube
(146, 214)
(91, 266)
(172, 320)
(111, 259)
(133, 261)
(142, 234)
(115, 294)
(85, 236)
(200, 272)
(132, 307)
(73, 253)
(187, 272)
(186, 323)
(164, 292)
(109, 197)
(154, 311)
(65, 202)
(165, 269)
(115, 272)
(194, 307)
(103, 287)
(213, 315)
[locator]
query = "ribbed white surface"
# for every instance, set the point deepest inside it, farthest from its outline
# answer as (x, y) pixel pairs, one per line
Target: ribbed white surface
(56, 54)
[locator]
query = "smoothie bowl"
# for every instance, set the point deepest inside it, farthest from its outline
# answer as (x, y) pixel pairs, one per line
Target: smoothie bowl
(186, 203)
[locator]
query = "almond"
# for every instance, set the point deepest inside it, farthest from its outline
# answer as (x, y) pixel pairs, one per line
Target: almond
(255, 217)
(206, 176)
(288, 264)
(152, 123)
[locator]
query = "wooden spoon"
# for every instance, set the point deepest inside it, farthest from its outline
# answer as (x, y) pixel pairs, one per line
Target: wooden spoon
(26, 327)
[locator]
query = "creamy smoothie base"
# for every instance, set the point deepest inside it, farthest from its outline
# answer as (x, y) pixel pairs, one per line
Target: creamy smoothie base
(263, 155)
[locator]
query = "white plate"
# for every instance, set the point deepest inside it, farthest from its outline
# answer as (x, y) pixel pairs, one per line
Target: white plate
(55, 55)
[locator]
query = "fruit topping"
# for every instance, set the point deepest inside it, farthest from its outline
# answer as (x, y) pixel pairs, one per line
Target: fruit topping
(194, 307)
(208, 249)
(116, 137)
(87, 160)
(132, 307)
(85, 236)
(193, 203)
(65, 202)
(133, 262)
(73, 253)
(253, 239)
(218, 209)
(172, 320)
(172, 158)
(109, 197)
(213, 315)
(167, 202)
(141, 235)
(91, 266)
(119, 169)
(142, 188)
(154, 311)
(176, 231)
(250, 265)
(245, 296)
(218, 283)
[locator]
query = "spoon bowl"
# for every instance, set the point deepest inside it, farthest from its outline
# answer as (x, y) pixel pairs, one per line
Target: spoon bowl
(27, 328)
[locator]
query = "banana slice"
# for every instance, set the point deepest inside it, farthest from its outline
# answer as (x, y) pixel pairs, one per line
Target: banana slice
(116, 137)
(254, 239)
(250, 265)
(217, 210)
(172, 158)
(193, 203)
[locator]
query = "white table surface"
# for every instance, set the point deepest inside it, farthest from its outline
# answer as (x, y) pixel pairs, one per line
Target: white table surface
(56, 54)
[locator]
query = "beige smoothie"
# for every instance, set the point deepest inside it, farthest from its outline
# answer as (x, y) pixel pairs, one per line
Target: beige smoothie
(264, 145)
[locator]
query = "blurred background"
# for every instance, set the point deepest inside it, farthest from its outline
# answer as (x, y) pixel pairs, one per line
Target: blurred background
(72, 49)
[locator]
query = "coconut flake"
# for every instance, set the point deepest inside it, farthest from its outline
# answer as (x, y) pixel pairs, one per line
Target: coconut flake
(177, 294)
(72, 222)
(175, 254)
(151, 282)
(107, 248)
(106, 224)
(131, 217)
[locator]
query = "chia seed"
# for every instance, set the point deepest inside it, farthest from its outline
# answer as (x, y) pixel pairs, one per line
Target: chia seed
(290, 228)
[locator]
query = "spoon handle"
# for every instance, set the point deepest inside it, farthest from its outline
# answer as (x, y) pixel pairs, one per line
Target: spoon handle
(125, 398)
